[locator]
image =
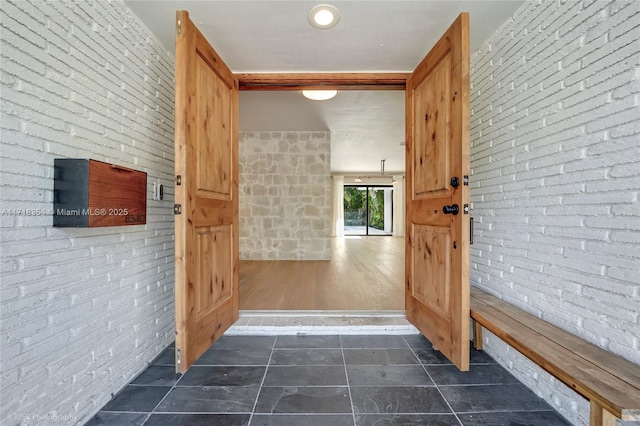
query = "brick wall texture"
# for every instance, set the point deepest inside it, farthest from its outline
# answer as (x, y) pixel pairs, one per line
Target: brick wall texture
(555, 130)
(83, 310)
(285, 187)
(556, 177)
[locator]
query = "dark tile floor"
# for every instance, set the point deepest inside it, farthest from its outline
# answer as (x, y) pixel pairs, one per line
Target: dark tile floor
(325, 380)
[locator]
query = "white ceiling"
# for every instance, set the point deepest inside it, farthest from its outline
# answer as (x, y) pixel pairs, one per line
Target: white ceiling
(372, 36)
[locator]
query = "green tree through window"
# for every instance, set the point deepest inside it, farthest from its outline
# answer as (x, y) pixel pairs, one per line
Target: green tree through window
(355, 206)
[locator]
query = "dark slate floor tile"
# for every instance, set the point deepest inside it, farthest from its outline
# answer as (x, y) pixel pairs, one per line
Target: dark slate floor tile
(418, 341)
(407, 420)
(215, 399)
(526, 418)
(430, 356)
(480, 357)
(255, 356)
(117, 419)
(308, 375)
(303, 400)
(388, 375)
(307, 357)
(376, 400)
(245, 342)
(310, 341)
(166, 357)
(478, 374)
(516, 397)
(157, 375)
(302, 419)
(305, 384)
(198, 420)
(137, 398)
(373, 342)
(222, 376)
(379, 356)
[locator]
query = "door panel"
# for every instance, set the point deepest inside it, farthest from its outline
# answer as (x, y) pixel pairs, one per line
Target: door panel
(437, 246)
(432, 265)
(430, 158)
(213, 139)
(214, 245)
(206, 165)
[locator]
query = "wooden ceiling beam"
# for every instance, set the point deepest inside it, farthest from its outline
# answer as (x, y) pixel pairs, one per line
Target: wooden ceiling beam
(322, 81)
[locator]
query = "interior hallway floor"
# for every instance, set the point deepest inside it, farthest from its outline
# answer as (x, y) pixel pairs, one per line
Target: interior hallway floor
(318, 380)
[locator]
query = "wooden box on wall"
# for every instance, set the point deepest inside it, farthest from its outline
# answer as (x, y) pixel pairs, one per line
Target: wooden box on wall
(89, 193)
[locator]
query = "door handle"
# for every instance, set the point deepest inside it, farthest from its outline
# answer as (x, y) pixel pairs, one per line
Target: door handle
(470, 230)
(452, 209)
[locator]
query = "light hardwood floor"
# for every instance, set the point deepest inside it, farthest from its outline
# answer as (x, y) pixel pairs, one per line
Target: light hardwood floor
(365, 273)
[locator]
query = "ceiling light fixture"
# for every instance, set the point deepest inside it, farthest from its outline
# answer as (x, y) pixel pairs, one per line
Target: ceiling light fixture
(319, 95)
(324, 16)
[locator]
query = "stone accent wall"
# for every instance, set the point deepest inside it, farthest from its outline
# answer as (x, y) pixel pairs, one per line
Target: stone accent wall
(285, 187)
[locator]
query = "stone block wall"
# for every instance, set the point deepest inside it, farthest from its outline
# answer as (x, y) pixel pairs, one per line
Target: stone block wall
(285, 187)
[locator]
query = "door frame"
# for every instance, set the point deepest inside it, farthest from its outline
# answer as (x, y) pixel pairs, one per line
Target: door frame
(322, 81)
(279, 82)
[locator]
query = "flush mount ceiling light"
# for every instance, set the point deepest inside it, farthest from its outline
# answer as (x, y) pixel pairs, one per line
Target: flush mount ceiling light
(319, 95)
(324, 16)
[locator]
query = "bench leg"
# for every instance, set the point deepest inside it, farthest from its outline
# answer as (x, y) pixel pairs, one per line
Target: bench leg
(600, 417)
(477, 335)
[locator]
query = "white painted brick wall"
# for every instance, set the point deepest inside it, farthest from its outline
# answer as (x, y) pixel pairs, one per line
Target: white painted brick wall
(556, 177)
(83, 310)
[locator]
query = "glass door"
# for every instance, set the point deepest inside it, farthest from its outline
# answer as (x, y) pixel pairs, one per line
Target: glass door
(368, 210)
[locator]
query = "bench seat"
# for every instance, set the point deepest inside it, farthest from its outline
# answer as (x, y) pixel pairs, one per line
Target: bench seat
(610, 382)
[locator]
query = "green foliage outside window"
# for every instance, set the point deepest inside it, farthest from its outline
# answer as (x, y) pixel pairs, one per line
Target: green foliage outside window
(355, 208)
(376, 209)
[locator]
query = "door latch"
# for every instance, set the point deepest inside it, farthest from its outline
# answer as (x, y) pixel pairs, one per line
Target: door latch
(452, 209)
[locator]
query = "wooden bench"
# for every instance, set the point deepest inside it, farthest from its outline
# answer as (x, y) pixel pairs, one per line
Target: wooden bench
(609, 382)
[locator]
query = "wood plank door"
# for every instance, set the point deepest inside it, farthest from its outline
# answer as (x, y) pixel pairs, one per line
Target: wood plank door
(437, 170)
(206, 167)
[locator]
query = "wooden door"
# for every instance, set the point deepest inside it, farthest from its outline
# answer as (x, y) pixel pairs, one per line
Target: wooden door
(206, 211)
(437, 153)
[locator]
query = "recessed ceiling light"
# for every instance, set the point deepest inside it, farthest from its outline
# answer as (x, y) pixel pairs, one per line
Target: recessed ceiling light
(324, 16)
(319, 95)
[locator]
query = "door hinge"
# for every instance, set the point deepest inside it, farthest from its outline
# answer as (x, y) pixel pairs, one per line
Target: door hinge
(178, 358)
(177, 209)
(178, 180)
(180, 25)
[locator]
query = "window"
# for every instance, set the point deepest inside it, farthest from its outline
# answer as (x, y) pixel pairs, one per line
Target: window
(368, 210)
